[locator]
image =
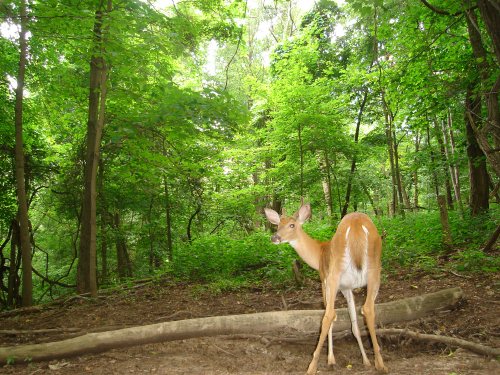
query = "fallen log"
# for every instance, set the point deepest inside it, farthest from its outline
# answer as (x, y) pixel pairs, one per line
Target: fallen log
(302, 321)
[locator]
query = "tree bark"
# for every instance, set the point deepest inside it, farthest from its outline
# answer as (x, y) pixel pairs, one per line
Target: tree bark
(86, 275)
(478, 174)
(27, 287)
(303, 321)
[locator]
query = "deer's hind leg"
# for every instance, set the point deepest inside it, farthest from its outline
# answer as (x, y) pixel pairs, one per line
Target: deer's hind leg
(369, 314)
(349, 296)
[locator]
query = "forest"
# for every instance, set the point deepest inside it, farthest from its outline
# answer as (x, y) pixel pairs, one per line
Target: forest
(142, 139)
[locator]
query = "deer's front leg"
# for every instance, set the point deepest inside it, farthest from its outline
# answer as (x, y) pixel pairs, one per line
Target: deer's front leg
(331, 357)
(330, 292)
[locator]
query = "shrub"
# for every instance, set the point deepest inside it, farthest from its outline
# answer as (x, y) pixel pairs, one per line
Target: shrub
(213, 258)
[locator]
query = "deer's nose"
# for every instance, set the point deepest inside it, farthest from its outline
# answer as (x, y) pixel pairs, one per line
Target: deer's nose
(275, 239)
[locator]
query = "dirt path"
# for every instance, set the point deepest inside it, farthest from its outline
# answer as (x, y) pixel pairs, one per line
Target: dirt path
(476, 319)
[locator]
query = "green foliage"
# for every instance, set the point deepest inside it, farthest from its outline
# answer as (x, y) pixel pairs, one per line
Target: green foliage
(220, 259)
(416, 241)
(475, 260)
(212, 149)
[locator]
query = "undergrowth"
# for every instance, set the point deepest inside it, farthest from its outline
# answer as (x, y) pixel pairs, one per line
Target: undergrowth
(416, 242)
(413, 243)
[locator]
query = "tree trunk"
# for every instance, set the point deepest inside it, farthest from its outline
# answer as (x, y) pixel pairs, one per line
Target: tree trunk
(122, 258)
(370, 198)
(304, 321)
(490, 245)
(86, 275)
(478, 174)
(301, 154)
(449, 142)
(444, 162)
(190, 222)
(390, 149)
(327, 182)
(415, 173)
(13, 283)
(168, 220)
(353, 163)
(104, 251)
(404, 201)
(27, 288)
(490, 92)
(150, 235)
(433, 163)
(103, 233)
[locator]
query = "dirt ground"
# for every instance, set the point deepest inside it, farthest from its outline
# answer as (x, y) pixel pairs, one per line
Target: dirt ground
(477, 319)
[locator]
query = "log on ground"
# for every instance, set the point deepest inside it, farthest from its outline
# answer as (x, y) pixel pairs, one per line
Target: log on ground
(294, 321)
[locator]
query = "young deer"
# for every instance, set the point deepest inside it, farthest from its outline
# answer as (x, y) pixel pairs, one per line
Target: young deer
(350, 260)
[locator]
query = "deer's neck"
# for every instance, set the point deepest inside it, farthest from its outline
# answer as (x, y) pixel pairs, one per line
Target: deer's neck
(308, 249)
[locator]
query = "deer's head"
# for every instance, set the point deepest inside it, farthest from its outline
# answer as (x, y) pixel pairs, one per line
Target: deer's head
(288, 226)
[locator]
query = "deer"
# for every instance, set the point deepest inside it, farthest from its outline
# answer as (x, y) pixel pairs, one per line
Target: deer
(350, 260)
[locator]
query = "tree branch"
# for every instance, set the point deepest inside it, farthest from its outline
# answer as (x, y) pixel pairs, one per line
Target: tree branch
(444, 12)
(451, 341)
(51, 282)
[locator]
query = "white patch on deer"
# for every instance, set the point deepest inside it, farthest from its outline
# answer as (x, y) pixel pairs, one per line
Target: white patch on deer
(365, 229)
(347, 232)
(352, 277)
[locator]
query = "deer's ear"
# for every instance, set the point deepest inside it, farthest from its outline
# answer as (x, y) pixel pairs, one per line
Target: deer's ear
(304, 213)
(272, 216)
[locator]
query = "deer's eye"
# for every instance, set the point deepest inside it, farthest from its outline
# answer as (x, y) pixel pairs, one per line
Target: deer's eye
(292, 225)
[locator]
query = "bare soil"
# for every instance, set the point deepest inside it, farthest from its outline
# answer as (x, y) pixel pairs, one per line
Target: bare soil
(477, 318)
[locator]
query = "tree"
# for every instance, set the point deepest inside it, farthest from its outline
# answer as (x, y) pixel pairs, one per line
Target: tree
(87, 276)
(24, 235)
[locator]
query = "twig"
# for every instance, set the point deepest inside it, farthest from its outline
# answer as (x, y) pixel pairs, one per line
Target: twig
(285, 306)
(237, 48)
(175, 315)
(458, 275)
(222, 350)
